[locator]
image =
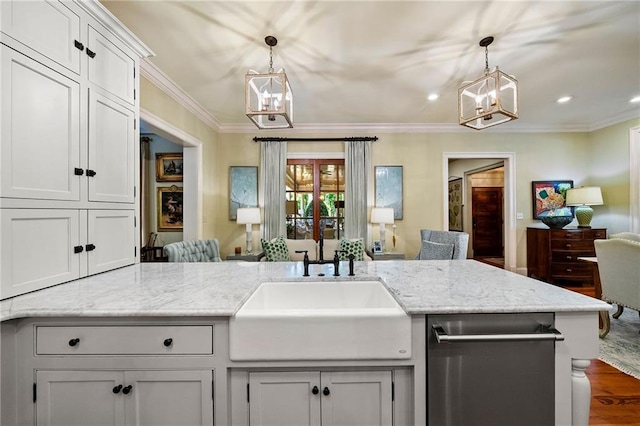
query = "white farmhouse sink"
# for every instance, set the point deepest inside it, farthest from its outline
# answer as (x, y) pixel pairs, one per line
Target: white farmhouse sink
(320, 320)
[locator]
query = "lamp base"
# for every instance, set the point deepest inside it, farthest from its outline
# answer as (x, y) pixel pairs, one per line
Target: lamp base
(584, 214)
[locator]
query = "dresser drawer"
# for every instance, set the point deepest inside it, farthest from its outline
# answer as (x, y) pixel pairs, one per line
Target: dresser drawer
(569, 256)
(571, 271)
(125, 340)
(595, 234)
(583, 246)
(563, 234)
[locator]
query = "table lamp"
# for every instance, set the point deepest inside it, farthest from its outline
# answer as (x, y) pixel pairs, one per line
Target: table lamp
(248, 216)
(582, 198)
(382, 215)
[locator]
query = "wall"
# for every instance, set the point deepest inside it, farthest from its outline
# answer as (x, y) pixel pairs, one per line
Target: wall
(155, 101)
(608, 166)
(158, 145)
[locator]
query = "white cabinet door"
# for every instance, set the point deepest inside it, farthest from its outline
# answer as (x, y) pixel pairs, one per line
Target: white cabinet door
(111, 151)
(111, 68)
(40, 130)
(357, 398)
(48, 27)
(169, 398)
(37, 249)
(284, 398)
(79, 398)
(110, 240)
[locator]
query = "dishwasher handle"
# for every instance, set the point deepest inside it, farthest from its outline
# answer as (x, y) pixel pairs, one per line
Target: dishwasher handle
(548, 332)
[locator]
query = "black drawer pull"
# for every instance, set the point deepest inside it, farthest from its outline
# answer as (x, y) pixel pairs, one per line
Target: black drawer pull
(117, 389)
(78, 171)
(127, 389)
(91, 53)
(74, 342)
(315, 390)
(91, 173)
(168, 342)
(78, 249)
(78, 45)
(89, 247)
(325, 391)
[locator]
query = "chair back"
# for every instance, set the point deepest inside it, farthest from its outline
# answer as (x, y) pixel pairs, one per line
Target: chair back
(619, 268)
(193, 251)
(627, 236)
(459, 240)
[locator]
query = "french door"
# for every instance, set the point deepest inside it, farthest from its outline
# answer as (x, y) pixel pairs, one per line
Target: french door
(315, 198)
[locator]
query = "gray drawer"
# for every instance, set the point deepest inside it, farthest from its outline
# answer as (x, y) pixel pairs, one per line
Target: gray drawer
(125, 340)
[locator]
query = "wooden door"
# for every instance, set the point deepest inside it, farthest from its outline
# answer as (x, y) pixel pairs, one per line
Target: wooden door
(486, 213)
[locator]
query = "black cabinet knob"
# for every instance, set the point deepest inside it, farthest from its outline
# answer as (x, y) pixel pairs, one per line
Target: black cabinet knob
(74, 342)
(117, 389)
(89, 247)
(91, 53)
(315, 390)
(91, 173)
(325, 391)
(78, 171)
(168, 342)
(78, 249)
(127, 389)
(78, 45)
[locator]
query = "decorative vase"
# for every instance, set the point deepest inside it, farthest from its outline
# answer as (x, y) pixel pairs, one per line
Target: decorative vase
(556, 222)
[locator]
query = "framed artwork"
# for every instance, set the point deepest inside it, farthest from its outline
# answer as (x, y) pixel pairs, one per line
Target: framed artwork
(169, 210)
(388, 189)
(550, 195)
(455, 205)
(169, 167)
(377, 246)
(243, 188)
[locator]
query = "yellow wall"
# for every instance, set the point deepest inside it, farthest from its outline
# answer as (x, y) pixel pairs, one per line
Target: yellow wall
(160, 104)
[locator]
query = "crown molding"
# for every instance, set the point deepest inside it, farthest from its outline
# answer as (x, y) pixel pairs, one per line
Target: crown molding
(629, 115)
(159, 79)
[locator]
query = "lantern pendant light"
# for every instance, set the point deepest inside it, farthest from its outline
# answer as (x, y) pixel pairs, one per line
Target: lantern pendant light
(268, 97)
(490, 100)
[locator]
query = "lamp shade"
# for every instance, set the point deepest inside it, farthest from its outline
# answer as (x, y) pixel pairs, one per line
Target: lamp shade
(381, 215)
(585, 196)
(248, 215)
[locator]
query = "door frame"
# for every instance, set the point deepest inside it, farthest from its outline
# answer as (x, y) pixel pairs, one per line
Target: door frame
(509, 204)
(192, 174)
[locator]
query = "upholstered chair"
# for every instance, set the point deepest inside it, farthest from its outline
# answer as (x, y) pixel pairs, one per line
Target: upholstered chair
(626, 236)
(619, 268)
(193, 251)
(442, 245)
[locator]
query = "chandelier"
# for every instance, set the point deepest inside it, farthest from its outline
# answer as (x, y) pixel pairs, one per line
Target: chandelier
(490, 100)
(268, 97)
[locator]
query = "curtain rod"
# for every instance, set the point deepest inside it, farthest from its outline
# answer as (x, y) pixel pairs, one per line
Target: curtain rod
(347, 139)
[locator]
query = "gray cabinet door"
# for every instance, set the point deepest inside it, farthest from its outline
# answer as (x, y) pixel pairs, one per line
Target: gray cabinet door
(284, 399)
(79, 398)
(357, 398)
(169, 398)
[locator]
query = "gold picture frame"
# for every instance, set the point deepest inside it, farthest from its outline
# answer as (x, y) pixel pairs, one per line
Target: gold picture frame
(169, 209)
(169, 167)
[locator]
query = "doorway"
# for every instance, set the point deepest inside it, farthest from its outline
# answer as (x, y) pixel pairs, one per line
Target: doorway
(508, 196)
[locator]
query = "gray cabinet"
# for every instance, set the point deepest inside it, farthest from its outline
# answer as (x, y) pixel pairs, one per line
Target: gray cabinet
(88, 397)
(321, 398)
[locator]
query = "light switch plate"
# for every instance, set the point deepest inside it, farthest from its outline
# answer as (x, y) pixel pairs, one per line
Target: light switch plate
(519, 215)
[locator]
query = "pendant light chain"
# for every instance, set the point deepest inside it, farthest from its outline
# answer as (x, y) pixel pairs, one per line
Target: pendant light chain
(270, 59)
(486, 59)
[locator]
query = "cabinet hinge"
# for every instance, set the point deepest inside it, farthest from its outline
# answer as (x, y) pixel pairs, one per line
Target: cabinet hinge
(135, 123)
(134, 191)
(135, 251)
(134, 94)
(247, 392)
(213, 389)
(135, 222)
(393, 391)
(34, 392)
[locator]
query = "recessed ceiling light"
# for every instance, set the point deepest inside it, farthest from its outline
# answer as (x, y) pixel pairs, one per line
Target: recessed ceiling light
(635, 99)
(433, 96)
(564, 99)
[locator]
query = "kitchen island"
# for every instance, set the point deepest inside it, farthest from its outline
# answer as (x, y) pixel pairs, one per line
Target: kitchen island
(197, 299)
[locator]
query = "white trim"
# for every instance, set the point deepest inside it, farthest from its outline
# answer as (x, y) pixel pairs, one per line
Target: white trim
(192, 177)
(159, 79)
(634, 178)
(510, 237)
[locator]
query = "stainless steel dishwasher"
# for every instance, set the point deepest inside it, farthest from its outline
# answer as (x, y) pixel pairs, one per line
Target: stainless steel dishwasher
(491, 369)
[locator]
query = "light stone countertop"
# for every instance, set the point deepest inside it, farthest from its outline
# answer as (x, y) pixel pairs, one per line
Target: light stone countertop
(219, 289)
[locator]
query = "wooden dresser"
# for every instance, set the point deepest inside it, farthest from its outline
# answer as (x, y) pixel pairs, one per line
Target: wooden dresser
(552, 254)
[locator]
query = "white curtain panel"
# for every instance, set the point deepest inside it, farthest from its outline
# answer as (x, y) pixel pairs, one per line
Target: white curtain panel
(273, 167)
(357, 166)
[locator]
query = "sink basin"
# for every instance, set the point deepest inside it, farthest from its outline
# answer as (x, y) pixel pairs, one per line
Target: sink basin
(320, 321)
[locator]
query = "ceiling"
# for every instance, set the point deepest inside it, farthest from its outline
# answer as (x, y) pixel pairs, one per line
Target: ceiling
(372, 64)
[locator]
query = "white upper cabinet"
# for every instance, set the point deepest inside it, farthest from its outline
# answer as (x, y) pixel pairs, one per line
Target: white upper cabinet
(40, 112)
(48, 27)
(110, 240)
(110, 68)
